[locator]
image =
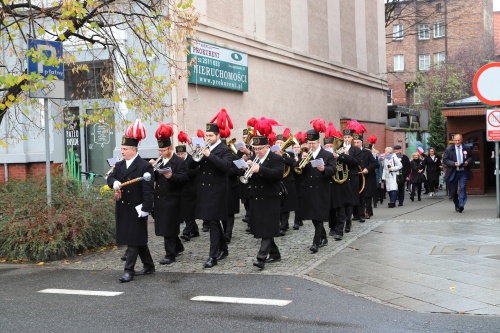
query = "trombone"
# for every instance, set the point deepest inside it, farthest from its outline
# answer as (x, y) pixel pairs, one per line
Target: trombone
(198, 153)
(244, 179)
(300, 168)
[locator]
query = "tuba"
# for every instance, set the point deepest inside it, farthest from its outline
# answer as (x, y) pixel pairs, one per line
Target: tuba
(230, 144)
(304, 161)
(250, 135)
(288, 143)
(342, 172)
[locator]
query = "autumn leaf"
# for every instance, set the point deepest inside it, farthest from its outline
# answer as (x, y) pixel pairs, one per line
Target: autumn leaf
(40, 263)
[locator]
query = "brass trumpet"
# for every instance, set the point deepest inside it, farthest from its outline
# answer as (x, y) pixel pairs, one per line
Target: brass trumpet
(198, 153)
(157, 163)
(299, 169)
(287, 144)
(244, 179)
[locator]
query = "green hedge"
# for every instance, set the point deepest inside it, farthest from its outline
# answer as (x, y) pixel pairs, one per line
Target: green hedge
(79, 220)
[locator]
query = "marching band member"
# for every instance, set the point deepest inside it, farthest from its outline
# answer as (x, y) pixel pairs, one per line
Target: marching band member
(369, 166)
(211, 202)
(134, 202)
(170, 176)
(265, 176)
(297, 148)
(315, 184)
(233, 197)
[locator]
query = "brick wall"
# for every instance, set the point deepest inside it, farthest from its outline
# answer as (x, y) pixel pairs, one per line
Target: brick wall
(496, 20)
(372, 128)
(24, 171)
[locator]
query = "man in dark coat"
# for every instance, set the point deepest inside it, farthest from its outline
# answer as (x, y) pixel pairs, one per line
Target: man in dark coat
(368, 166)
(315, 188)
(233, 198)
(265, 200)
(170, 176)
(351, 158)
(289, 203)
(211, 201)
(405, 171)
(132, 226)
(458, 158)
(188, 201)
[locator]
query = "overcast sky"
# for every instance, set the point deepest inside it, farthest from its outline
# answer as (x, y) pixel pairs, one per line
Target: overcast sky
(496, 5)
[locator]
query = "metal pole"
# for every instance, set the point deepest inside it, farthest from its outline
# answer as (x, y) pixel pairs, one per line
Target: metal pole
(497, 176)
(47, 151)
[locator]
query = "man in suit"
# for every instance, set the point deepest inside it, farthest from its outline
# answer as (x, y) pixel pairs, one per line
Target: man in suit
(211, 201)
(458, 157)
(265, 200)
(170, 177)
(131, 226)
(405, 161)
(188, 201)
(315, 189)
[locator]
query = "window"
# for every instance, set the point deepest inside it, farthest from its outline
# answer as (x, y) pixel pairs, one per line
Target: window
(87, 84)
(438, 8)
(397, 31)
(423, 31)
(438, 58)
(417, 96)
(389, 97)
(399, 62)
(424, 62)
(439, 30)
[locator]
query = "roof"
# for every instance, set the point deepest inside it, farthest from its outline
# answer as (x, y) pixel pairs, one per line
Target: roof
(466, 102)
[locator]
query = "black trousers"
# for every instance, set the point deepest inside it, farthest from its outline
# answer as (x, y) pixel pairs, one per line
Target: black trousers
(401, 193)
(416, 187)
(362, 207)
(369, 205)
(284, 225)
(217, 240)
(268, 247)
(319, 231)
(340, 220)
(173, 245)
(348, 213)
(332, 218)
(191, 228)
(133, 252)
(228, 225)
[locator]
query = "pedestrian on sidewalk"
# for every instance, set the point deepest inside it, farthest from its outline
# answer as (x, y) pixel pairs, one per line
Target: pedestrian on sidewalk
(392, 166)
(405, 161)
(458, 157)
(432, 169)
(416, 176)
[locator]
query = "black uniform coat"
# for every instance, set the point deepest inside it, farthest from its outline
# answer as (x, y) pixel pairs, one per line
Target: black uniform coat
(370, 163)
(315, 188)
(233, 188)
(432, 167)
(245, 188)
(265, 199)
(211, 200)
(415, 176)
(352, 160)
(188, 201)
(290, 202)
(168, 196)
(131, 229)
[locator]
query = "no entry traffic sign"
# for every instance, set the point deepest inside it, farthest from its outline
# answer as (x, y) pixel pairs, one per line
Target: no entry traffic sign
(493, 125)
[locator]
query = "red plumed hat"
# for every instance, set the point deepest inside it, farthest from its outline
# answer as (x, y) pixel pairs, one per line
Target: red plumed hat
(136, 130)
(223, 120)
(318, 125)
(200, 134)
(183, 137)
(272, 138)
(286, 133)
(224, 132)
(264, 126)
(356, 127)
(251, 122)
(372, 139)
(301, 138)
(331, 131)
(164, 132)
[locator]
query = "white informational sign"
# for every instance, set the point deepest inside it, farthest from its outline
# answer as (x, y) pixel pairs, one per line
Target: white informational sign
(493, 125)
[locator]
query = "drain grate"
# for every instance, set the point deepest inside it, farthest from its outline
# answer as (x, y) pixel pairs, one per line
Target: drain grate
(466, 249)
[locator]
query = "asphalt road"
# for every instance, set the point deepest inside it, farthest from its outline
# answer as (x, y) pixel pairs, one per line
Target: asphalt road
(162, 303)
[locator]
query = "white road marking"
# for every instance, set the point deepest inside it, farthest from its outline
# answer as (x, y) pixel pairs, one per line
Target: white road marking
(81, 292)
(239, 300)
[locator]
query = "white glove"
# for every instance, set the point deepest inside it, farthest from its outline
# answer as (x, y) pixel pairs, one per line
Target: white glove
(143, 214)
(116, 185)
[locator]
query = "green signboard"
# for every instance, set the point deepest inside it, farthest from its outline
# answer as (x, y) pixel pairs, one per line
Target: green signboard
(218, 67)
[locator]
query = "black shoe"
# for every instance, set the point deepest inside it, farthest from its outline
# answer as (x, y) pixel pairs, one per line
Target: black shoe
(180, 249)
(259, 263)
(124, 256)
(338, 237)
(127, 277)
(400, 204)
(460, 209)
(211, 262)
(185, 237)
(323, 242)
(271, 260)
(348, 225)
(296, 226)
(194, 234)
(314, 248)
(248, 230)
(412, 198)
(456, 209)
(282, 232)
(222, 255)
(146, 271)
(205, 229)
(361, 220)
(331, 233)
(355, 218)
(166, 261)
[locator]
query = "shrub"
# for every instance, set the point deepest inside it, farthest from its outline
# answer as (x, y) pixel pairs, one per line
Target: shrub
(78, 220)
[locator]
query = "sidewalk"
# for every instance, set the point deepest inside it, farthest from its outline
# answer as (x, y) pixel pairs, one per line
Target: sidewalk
(423, 256)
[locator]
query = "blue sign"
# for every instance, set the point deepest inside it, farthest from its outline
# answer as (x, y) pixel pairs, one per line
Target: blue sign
(50, 49)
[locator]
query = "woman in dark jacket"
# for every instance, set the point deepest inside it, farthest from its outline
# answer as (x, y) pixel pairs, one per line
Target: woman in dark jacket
(433, 170)
(416, 175)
